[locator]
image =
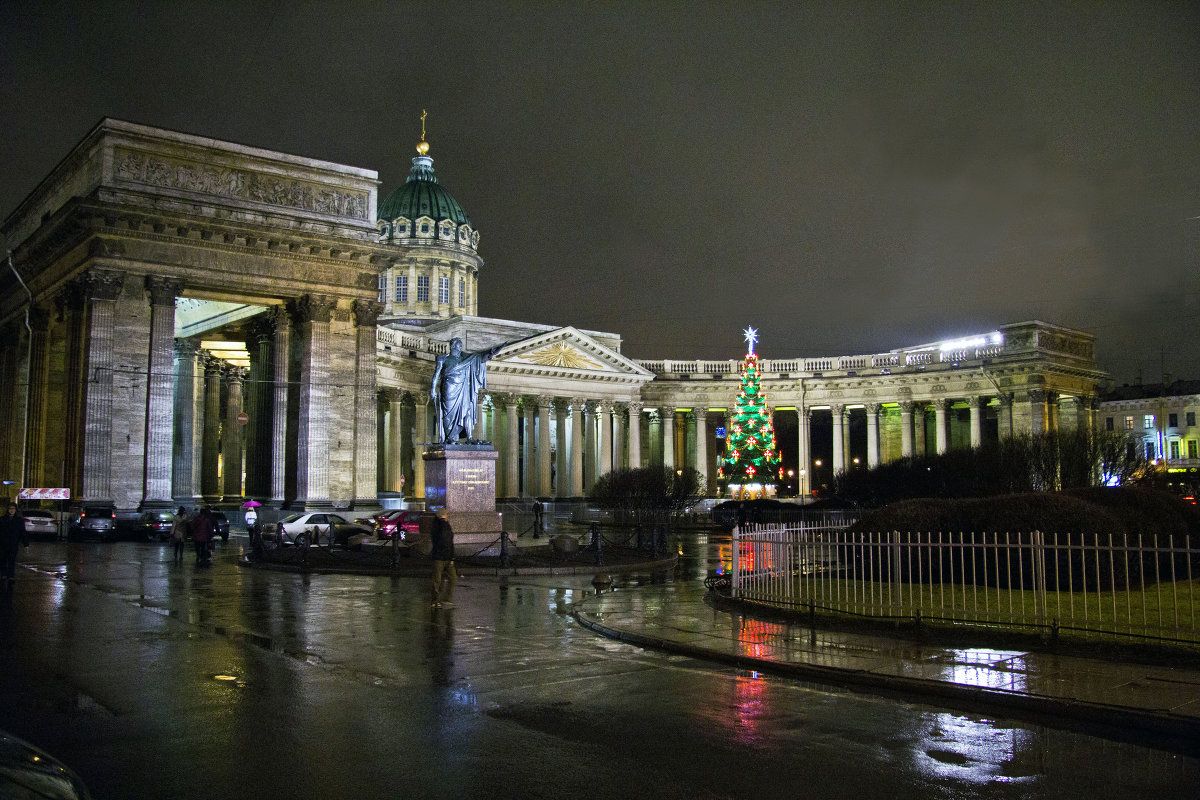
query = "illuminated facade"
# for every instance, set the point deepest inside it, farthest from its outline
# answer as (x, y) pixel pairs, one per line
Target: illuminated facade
(211, 321)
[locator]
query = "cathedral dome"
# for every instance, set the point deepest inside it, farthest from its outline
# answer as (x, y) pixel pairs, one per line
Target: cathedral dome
(422, 196)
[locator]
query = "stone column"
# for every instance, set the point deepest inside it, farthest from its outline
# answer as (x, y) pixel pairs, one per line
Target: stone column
(940, 429)
(421, 402)
(395, 445)
(667, 414)
(313, 315)
(804, 460)
(872, 435)
(591, 459)
(512, 448)
(35, 408)
(259, 393)
(976, 406)
(906, 428)
(635, 435)
(701, 415)
(406, 462)
(160, 417)
(529, 470)
(231, 436)
(103, 288)
(839, 440)
(189, 410)
(1037, 411)
(606, 437)
(1052, 408)
(281, 457)
(366, 481)
(74, 297)
(210, 488)
(562, 465)
(919, 410)
(1004, 416)
(8, 385)
(619, 438)
(544, 402)
(577, 446)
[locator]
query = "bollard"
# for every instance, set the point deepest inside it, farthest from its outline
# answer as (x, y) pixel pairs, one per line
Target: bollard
(640, 543)
(598, 541)
(396, 547)
(504, 554)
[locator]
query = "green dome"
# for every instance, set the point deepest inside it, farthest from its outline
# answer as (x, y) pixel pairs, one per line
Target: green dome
(422, 196)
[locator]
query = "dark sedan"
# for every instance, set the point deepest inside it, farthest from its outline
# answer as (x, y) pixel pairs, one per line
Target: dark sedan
(156, 525)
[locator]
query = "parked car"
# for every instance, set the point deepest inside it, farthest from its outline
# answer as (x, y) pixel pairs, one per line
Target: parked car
(386, 523)
(156, 524)
(300, 529)
(26, 771)
(95, 521)
(40, 523)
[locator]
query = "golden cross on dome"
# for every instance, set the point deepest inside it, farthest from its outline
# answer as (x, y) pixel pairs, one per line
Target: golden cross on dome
(423, 147)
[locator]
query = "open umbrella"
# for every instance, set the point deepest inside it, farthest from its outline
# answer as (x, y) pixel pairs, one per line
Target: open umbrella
(251, 504)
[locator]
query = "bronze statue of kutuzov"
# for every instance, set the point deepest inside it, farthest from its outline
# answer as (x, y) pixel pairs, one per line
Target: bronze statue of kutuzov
(458, 379)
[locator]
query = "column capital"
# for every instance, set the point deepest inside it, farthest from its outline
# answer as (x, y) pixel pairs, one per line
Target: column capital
(103, 284)
(635, 408)
(262, 327)
(976, 401)
(941, 403)
(185, 348)
(163, 290)
(700, 413)
(907, 406)
(281, 317)
(1005, 398)
(233, 373)
(873, 408)
(312, 308)
(838, 409)
(212, 365)
(366, 312)
(1038, 395)
(544, 400)
(391, 394)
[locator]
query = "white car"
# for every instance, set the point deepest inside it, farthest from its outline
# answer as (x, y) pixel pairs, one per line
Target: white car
(310, 527)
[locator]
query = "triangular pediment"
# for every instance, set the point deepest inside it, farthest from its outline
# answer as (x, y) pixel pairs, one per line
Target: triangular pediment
(565, 352)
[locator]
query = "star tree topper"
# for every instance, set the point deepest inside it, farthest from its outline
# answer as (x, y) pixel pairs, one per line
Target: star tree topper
(751, 337)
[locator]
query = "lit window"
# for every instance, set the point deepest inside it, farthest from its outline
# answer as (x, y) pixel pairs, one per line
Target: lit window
(443, 289)
(422, 288)
(401, 293)
(1148, 421)
(1191, 448)
(1129, 423)
(462, 293)
(1174, 448)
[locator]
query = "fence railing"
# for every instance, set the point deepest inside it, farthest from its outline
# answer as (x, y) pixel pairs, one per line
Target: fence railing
(1134, 586)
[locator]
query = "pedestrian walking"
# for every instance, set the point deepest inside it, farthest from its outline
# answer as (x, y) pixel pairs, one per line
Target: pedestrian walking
(12, 537)
(179, 532)
(204, 528)
(443, 560)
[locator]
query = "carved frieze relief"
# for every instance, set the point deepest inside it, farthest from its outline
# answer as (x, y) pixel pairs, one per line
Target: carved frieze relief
(175, 173)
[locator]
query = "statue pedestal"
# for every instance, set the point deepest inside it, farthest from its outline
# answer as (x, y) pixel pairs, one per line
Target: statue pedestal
(462, 479)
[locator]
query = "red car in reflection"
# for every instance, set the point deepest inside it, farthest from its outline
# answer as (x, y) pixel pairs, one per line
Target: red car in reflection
(387, 522)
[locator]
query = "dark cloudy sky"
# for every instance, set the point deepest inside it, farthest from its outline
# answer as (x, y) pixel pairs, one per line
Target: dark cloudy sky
(846, 177)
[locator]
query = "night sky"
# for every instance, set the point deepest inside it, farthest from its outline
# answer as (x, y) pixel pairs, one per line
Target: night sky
(847, 178)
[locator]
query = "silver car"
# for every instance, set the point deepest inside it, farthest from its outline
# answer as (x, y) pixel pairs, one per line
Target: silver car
(40, 523)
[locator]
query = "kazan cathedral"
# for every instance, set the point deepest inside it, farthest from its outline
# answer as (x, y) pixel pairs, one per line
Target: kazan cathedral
(202, 321)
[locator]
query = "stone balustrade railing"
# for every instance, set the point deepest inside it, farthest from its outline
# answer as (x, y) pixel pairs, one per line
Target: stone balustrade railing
(789, 366)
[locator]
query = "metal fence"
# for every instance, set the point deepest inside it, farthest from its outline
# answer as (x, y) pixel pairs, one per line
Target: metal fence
(1134, 586)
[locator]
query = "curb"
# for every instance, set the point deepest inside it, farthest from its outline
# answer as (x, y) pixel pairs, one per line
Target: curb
(1160, 729)
(422, 571)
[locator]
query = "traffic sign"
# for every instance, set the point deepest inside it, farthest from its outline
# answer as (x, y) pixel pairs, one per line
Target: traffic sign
(45, 494)
(243, 418)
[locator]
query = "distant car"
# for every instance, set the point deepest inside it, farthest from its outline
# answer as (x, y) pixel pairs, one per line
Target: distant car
(310, 527)
(156, 525)
(386, 523)
(40, 523)
(95, 521)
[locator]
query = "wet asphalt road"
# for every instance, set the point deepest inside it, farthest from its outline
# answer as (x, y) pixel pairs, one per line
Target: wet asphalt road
(156, 681)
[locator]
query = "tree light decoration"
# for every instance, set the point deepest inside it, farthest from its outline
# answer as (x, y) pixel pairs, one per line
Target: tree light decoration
(753, 458)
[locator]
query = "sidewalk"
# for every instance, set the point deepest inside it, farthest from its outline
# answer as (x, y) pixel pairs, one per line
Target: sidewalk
(1147, 704)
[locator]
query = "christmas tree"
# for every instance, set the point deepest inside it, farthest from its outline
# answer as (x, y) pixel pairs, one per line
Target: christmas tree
(751, 464)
